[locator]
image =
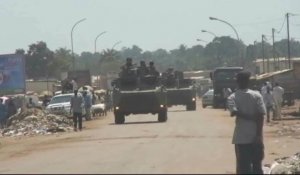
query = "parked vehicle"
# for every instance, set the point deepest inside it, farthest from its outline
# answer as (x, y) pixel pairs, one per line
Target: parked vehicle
(208, 98)
(60, 104)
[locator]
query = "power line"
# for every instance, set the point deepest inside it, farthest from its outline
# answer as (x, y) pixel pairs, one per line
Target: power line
(259, 22)
(282, 25)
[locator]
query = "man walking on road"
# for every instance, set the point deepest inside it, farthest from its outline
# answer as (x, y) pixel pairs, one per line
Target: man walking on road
(248, 107)
(76, 109)
(278, 98)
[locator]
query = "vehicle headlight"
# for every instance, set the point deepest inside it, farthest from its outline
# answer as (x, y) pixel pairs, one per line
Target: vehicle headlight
(193, 99)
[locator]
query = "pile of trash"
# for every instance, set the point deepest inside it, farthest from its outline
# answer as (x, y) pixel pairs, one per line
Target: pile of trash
(32, 122)
(285, 165)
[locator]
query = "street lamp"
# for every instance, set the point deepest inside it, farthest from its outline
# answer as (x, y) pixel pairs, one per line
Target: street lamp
(237, 35)
(205, 31)
(202, 40)
(115, 45)
(47, 74)
(97, 39)
(72, 40)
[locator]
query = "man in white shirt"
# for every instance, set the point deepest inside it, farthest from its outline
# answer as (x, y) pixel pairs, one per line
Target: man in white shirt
(269, 102)
(278, 98)
(74, 85)
(249, 108)
(264, 89)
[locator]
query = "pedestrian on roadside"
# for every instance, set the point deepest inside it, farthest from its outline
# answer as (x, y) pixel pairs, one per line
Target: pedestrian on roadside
(87, 104)
(3, 114)
(31, 104)
(269, 102)
(249, 108)
(76, 110)
(226, 93)
(74, 84)
(11, 108)
(264, 89)
(278, 98)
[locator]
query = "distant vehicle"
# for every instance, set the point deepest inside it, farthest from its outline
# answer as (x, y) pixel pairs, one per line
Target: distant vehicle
(133, 95)
(207, 98)
(35, 100)
(60, 104)
(180, 91)
(223, 77)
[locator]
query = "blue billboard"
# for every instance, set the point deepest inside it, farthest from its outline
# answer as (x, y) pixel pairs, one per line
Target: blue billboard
(12, 74)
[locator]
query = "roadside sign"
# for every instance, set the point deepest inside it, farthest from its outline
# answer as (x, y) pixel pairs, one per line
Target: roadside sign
(12, 74)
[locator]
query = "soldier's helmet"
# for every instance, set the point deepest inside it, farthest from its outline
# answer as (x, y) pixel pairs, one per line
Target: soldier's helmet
(142, 63)
(151, 63)
(128, 59)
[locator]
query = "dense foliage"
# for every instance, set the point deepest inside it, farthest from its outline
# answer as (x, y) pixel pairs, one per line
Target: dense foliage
(222, 51)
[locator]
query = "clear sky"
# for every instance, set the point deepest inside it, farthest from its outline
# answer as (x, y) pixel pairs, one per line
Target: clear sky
(150, 24)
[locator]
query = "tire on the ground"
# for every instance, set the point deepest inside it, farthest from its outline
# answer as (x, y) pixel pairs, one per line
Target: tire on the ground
(163, 116)
(119, 118)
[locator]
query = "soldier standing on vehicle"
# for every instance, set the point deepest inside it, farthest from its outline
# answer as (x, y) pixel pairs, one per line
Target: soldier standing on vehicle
(278, 98)
(249, 108)
(152, 69)
(142, 70)
(76, 110)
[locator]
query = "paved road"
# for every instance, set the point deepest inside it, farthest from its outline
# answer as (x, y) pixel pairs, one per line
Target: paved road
(189, 142)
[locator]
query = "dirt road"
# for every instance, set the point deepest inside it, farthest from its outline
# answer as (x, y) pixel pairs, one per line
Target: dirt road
(189, 142)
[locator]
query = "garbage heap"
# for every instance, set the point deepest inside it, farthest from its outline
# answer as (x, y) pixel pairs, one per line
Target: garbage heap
(286, 165)
(30, 122)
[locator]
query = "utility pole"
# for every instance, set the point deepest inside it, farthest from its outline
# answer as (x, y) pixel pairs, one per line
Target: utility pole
(263, 51)
(288, 35)
(273, 50)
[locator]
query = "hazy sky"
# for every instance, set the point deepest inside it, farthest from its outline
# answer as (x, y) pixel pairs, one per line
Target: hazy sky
(150, 24)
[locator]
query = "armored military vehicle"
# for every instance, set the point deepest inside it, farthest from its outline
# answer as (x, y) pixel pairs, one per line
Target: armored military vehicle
(180, 91)
(133, 94)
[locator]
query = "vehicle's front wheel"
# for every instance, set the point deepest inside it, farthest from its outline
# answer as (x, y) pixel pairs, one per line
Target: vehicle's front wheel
(163, 116)
(119, 118)
(191, 106)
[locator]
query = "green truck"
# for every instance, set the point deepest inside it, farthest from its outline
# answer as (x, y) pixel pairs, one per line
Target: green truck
(139, 95)
(180, 91)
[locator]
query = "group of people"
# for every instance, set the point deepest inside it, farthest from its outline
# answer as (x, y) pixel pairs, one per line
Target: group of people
(273, 98)
(142, 70)
(249, 107)
(84, 100)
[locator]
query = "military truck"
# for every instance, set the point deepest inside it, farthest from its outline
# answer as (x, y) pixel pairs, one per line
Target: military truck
(138, 95)
(180, 91)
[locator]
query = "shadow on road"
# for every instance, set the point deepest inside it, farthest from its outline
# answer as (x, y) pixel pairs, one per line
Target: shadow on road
(135, 123)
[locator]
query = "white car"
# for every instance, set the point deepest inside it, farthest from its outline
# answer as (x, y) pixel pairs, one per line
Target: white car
(60, 104)
(208, 98)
